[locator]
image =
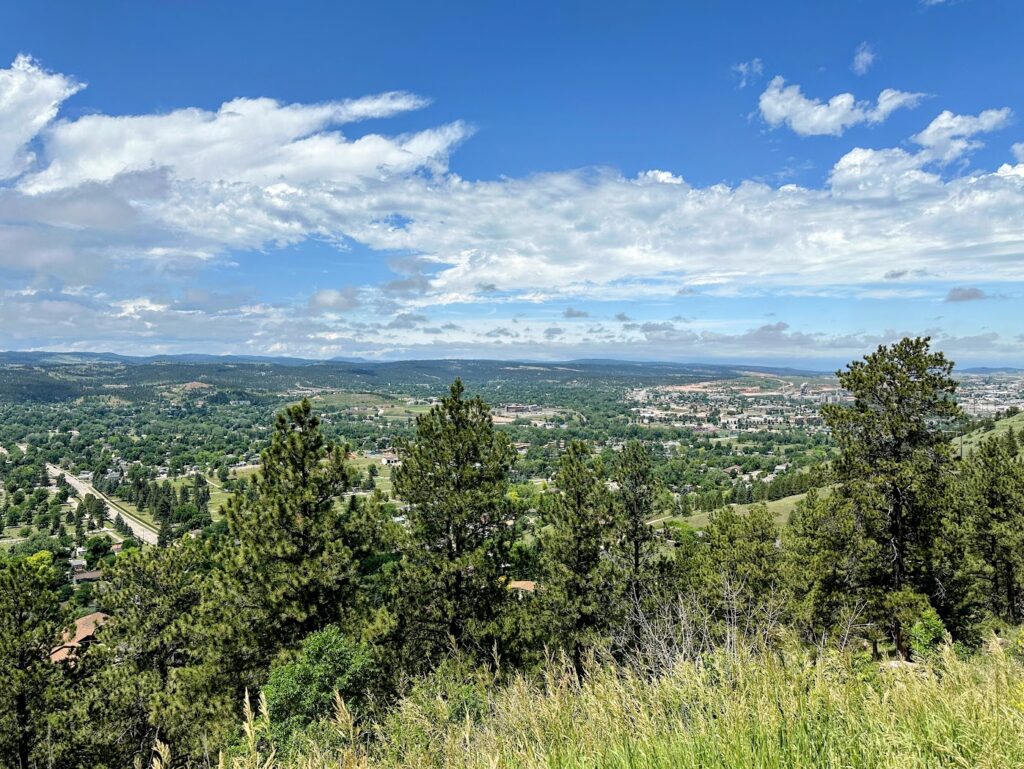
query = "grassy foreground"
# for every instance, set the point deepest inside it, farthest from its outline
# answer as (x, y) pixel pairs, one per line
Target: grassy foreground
(742, 711)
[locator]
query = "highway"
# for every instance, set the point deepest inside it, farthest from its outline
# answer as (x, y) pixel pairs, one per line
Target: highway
(142, 530)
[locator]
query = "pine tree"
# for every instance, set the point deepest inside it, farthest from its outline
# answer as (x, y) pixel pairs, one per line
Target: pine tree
(829, 566)
(32, 623)
(292, 571)
(894, 463)
(454, 477)
(743, 550)
(996, 482)
(1012, 442)
(581, 587)
(634, 474)
(146, 675)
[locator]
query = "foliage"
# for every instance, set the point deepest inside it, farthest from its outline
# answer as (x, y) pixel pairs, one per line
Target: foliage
(454, 477)
(582, 586)
(302, 690)
(894, 465)
(32, 623)
(621, 620)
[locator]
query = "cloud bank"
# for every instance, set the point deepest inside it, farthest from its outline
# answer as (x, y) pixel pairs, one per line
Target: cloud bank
(173, 193)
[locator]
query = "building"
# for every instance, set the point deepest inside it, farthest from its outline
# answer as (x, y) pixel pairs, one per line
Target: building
(87, 576)
(83, 634)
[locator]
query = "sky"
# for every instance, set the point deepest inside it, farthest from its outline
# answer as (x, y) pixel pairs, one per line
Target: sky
(788, 183)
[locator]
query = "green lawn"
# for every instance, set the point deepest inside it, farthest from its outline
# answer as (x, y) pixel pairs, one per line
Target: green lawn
(144, 516)
(362, 462)
(780, 509)
(348, 400)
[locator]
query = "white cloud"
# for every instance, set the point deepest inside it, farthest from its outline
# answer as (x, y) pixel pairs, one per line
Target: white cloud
(29, 99)
(660, 177)
(336, 300)
(863, 58)
(786, 105)
(255, 141)
(949, 136)
(896, 173)
(748, 72)
(173, 192)
(1018, 151)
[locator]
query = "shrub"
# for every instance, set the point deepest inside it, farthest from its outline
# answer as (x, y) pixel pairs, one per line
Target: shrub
(303, 689)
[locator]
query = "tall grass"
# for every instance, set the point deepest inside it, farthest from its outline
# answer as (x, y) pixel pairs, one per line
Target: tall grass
(736, 709)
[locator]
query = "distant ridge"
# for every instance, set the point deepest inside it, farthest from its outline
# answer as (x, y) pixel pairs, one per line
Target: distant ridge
(991, 370)
(47, 358)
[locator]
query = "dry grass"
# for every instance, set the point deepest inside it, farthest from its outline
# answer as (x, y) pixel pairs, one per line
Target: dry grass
(737, 710)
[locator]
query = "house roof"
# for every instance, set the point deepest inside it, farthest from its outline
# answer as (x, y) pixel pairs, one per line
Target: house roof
(85, 628)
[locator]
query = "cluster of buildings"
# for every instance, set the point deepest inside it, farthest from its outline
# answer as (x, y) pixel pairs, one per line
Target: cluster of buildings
(723, 406)
(985, 395)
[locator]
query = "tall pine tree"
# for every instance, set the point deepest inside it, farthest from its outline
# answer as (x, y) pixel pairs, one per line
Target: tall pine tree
(894, 463)
(581, 588)
(454, 477)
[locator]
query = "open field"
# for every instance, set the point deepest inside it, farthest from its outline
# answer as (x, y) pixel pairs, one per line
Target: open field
(361, 461)
(780, 509)
(972, 440)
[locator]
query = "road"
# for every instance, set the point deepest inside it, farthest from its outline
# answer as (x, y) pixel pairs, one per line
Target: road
(142, 530)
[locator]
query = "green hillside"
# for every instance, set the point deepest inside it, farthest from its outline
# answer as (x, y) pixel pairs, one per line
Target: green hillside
(1002, 426)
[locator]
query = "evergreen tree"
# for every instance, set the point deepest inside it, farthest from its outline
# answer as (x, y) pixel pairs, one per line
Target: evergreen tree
(145, 678)
(996, 481)
(454, 477)
(894, 463)
(581, 587)
(739, 558)
(634, 474)
(292, 571)
(32, 624)
(829, 567)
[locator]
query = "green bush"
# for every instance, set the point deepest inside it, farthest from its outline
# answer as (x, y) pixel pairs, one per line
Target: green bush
(926, 634)
(302, 690)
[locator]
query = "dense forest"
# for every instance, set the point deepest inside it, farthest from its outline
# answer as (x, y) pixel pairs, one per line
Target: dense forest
(472, 624)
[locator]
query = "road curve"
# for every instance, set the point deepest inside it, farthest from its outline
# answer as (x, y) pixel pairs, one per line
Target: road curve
(142, 531)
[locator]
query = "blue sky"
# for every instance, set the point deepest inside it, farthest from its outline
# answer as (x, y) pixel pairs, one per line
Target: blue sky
(775, 183)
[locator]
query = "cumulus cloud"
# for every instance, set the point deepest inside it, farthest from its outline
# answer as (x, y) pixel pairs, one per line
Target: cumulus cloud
(863, 59)
(965, 295)
(782, 104)
(256, 141)
(29, 100)
(111, 196)
(570, 312)
(1018, 151)
(949, 135)
(896, 173)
